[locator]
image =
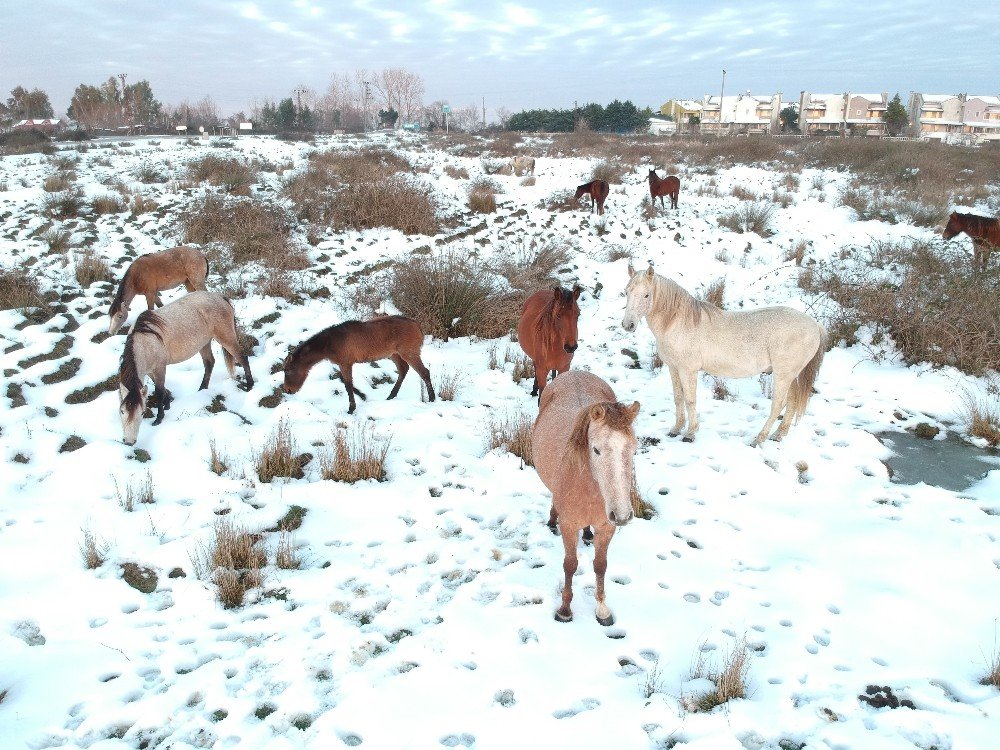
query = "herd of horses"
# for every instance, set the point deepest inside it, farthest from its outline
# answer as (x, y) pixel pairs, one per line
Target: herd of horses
(598, 190)
(583, 440)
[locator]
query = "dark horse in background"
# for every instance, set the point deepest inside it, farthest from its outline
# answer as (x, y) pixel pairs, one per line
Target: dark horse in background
(598, 191)
(669, 186)
(547, 332)
(982, 230)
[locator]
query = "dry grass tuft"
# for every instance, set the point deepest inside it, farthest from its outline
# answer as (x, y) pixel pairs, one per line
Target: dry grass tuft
(610, 172)
(57, 240)
(217, 462)
(57, 183)
(512, 432)
(749, 217)
(278, 457)
(398, 202)
(720, 391)
(982, 416)
(482, 196)
(358, 454)
(232, 174)
(715, 293)
(531, 265)
(252, 231)
(91, 269)
(449, 382)
(286, 557)
(93, 551)
(560, 200)
(730, 678)
(797, 252)
(232, 560)
(19, 290)
(65, 204)
(108, 204)
(141, 205)
(744, 194)
(457, 173)
(141, 492)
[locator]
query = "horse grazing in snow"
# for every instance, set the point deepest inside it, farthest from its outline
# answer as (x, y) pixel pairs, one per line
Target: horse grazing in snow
(598, 191)
(583, 447)
(150, 274)
(982, 230)
(693, 336)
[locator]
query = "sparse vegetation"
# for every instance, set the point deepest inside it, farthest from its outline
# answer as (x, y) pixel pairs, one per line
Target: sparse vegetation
(730, 678)
(91, 269)
(233, 175)
(65, 204)
(749, 217)
(358, 454)
(57, 240)
(140, 492)
(217, 462)
(449, 382)
(57, 183)
(512, 432)
(981, 415)
(232, 561)
(108, 204)
(560, 200)
(93, 551)
(286, 557)
(19, 290)
(715, 293)
(278, 457)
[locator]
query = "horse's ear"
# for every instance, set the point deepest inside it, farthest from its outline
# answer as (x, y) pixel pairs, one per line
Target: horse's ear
(633, 410)
(577, 291)
(557, 292)
(649, 272)
(631, 271)
(597, 412)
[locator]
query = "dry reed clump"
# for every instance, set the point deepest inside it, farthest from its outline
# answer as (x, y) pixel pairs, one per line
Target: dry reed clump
(610, 172)
(512, 432)
(529, 265)
(456, 173)
(744, 194)
(934, 305)
(398, 202)
(992, 675)
(141, 492)
(560, 200)
(232, 560)
(715, 293)
(251, 231)
(19, 290)
(449, 382)
(286, 557)
(482, 195)
(981, 415)
(217, 461)
(523, 369)
(142, 205)
(749, 217)
(57, 183)
(358, 454)
(93, 551)
(108, 204)
(91, 269)
(231, 174)
(730, 678)
(278, 457)
(57, 240)
(65, 204)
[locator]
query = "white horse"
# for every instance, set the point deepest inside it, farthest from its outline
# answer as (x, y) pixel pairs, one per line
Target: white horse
(692, 335)
(521, 165)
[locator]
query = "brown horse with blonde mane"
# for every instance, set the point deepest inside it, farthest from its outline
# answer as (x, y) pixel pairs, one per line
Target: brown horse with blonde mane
(583, 446)
(547, 332)
(177, 332)
(153, 273)
(598, 191)
(392, 337)
(669, 186)
(982, 230)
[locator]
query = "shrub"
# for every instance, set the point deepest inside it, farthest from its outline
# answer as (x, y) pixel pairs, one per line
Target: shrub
(278, 457)
(749, 217)
(797, 252)
(529, 265)
(358, 454)
(458, 173)
(492, 165)
(65, 204)
(108, 204)
(528, 181)
(142, 205)
(482, 195)
(741, 193)
(57, 240)
(91, 269)
(19, 289)
(608, 171)
(397, 201)
(232, 560)
(560, 200)
(25, 142)
(149, 174)
(982, 417)
(251, 230)
(233, 175)
(56, 183)
(512, 432)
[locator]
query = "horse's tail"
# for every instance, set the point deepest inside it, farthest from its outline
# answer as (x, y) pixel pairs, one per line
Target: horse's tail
(226, 356)
(802, 386)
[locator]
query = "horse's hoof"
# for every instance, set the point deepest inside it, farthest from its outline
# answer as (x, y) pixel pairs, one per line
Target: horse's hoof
(157, 421)
(560, 617)
(553, 529)
(606, 621)
(687, 439)
(673, 434)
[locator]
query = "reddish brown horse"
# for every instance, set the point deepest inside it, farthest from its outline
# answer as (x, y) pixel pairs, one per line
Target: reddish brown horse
(669, 186)
(982, 230)
(151, 274)
(547, 332)
(390, 337)
(598, 191)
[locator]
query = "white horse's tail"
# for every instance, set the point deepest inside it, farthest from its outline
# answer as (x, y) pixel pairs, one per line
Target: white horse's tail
(802, 386)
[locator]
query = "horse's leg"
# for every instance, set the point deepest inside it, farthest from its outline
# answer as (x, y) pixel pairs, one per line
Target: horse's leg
(588, 534)
(418, 364)
(151, 299)
(564, 613)
(541, 375)
(159, 302)
(779, 399)
(675, 381)
(689, 385)
(347, 375)
(189, 286)
(553, 519)
(401, 369)
(602, 541)
(209, 359)
(159, 376)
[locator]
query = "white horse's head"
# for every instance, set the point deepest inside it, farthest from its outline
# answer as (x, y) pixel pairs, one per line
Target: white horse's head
(610, 444)
(639, 296)
(131, 406)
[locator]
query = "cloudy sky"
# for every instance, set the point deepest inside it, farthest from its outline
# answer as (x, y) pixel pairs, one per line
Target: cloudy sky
(516, 55)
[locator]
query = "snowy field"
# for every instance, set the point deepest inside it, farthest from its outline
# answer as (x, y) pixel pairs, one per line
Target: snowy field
(422, 613)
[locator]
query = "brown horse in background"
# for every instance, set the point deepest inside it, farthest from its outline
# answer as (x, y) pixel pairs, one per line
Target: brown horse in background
(547, 332)
(180, 330)
(982, 230)
(151, 274)
(598, 191)
(669, 186)
(583, 447)
(390, 337)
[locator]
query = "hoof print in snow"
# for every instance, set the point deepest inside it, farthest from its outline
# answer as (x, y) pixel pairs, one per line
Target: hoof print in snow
(505, 698)
(882, 697)
(140, 578)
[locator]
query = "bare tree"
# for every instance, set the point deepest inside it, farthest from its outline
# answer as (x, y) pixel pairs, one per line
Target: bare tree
(467, 119)
(399, 89)
(503, 116)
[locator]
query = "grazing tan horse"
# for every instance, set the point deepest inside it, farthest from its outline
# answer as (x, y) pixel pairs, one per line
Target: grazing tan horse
(693, 336)
(390, 337)
(982, 230)
(598, 191)
(583, 447)
(151, 274)
(547, 332)
(522, 165)
(177, 332)
(669, 186)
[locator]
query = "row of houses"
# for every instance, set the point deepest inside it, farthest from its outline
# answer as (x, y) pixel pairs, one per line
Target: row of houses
(948, 117)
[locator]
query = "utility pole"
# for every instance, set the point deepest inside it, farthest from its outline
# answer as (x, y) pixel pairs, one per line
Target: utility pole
(484, 111)
(122, 76)
(722, 95)
(298, 113)
(365, 94)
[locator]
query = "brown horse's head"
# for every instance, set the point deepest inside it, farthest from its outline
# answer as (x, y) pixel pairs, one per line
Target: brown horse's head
(295, 373)
(954, 226)
(565, 314)
(653, 176)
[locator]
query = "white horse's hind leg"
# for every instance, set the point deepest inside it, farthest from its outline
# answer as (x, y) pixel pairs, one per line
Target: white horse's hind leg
(675, 380)
(778, 402)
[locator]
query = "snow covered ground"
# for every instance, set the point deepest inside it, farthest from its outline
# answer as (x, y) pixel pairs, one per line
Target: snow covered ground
(422, 615)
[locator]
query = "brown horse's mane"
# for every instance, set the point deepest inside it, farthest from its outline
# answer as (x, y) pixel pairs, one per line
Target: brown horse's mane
(979, 224)
(545, 325)
(616, 415)
(128, 376)
(317, 346)
(119, 299)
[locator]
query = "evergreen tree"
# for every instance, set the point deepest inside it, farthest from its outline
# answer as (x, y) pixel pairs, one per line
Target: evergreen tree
(28, 105)
(789, 118)
(387, 117)
(285, 116)
(895, 116)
